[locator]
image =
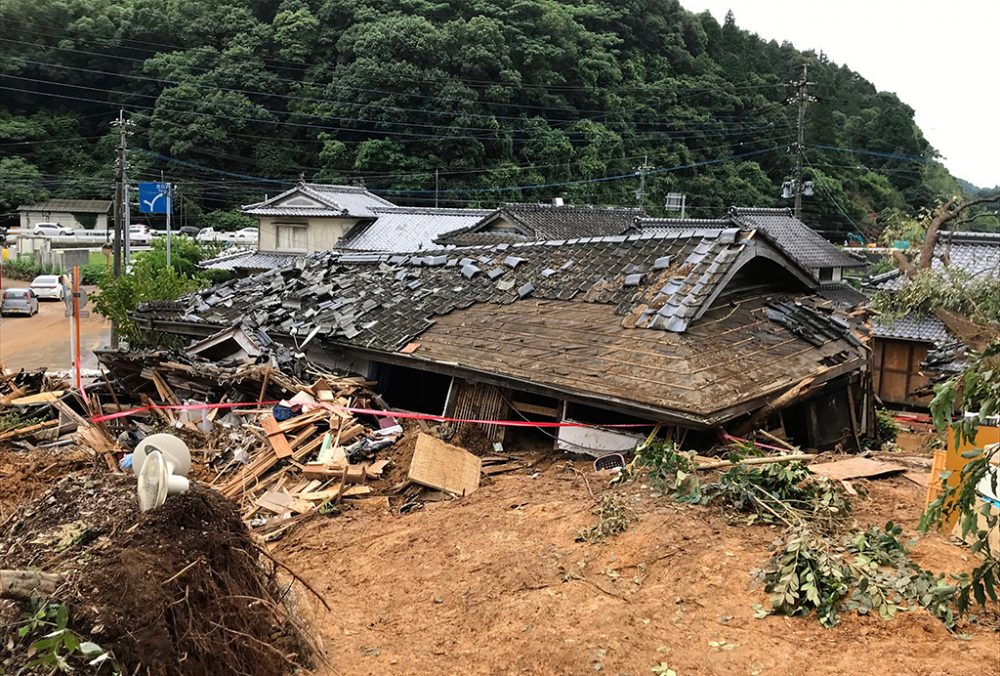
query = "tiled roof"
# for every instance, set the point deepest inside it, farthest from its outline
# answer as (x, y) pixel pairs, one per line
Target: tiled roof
(536, 222)
(974, 253)
(72, 206)
(407, 228)
(628, 318)
(842, 294)
(791, 235)
(796, 238)
(251, 260)
(913, 327)
(336, 201)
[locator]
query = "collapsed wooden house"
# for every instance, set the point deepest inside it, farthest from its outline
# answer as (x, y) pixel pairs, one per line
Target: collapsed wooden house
(698, 329)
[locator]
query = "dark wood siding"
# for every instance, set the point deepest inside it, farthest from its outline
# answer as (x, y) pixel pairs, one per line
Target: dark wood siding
(896, 371)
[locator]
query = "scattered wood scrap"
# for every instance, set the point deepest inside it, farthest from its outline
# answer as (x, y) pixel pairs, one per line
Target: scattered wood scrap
(439, 465)
(856, 468)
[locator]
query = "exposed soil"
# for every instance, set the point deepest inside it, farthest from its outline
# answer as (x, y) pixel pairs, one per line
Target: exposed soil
(177, 590)
(24, 476)
(496, 583)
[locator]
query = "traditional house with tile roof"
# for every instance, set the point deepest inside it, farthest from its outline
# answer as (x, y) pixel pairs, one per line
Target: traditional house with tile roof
(526, 222)
(695, 330)
(314, 217)
(902, 344)
(311, 216)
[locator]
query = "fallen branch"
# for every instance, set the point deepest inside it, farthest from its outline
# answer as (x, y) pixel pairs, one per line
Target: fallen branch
(756, 461)
(22, 585)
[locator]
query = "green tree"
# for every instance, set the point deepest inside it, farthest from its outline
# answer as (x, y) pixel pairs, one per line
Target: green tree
(20, 183)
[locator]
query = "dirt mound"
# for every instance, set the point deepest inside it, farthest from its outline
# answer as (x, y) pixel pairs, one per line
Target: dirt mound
(178, 590)
(24, 476)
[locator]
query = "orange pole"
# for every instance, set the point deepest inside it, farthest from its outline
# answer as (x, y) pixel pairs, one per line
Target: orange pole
(76, 324)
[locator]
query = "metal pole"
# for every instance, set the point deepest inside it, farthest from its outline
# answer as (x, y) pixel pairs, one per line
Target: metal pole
(169, 209)
(435, 188)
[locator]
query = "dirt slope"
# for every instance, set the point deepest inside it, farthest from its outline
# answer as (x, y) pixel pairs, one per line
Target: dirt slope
(496, 584)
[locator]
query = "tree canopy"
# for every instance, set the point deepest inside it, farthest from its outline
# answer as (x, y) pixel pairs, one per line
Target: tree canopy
(518, 100)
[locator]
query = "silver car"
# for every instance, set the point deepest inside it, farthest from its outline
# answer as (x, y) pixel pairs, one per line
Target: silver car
(48, 287)
(18, 302)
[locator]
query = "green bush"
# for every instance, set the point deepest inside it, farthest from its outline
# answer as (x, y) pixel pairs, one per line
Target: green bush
(27, 269)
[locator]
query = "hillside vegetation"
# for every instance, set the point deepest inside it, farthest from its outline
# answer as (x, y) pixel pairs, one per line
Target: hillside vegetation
(520, 100)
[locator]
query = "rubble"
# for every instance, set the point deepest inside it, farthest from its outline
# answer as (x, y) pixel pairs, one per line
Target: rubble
(270, 434)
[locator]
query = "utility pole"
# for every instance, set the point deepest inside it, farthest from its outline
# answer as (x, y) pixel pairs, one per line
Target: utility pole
(802, 98)
(435, 188)
(642, 170)
(121, 201)
(121, 190)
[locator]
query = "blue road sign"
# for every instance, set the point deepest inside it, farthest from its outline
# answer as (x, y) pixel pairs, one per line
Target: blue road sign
(153, 198)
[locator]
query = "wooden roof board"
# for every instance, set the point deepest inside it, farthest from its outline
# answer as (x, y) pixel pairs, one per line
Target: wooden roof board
(696, 374)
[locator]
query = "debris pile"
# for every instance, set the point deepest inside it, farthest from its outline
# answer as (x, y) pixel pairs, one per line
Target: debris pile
(37, 410)
(182, 589)
(277, 438)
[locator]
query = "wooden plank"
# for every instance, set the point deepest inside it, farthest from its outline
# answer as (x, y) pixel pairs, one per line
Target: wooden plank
(354, 491)
(301, 437)
(855, 468)
(278, 442)
(442, 466)
(40, 398)
(548, 411)
(376, 468)
(300, 420)
(21, 431)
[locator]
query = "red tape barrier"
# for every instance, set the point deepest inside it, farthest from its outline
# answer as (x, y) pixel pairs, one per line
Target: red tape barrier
(362, 411)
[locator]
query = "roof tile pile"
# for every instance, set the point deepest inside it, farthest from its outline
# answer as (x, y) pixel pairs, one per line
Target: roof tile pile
(384, 300)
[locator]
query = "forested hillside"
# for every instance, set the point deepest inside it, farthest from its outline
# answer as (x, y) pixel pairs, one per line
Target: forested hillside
(518, 100)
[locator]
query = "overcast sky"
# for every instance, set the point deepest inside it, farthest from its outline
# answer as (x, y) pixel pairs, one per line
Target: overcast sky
(940, 58)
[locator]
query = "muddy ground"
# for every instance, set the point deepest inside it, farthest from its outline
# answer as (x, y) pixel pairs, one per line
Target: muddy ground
(496, 584)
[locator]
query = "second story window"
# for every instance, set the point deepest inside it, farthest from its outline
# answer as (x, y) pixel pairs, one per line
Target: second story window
(291, 237)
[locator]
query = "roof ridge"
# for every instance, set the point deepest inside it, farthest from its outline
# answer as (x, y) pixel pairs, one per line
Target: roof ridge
(968, 237)
(430, 210)
(750, 211)
(515, 206)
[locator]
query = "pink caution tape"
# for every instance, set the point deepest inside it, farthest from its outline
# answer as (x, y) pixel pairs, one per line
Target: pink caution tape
(361, 411)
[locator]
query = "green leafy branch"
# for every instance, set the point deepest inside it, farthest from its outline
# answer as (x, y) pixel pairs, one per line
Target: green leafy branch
(54, 645)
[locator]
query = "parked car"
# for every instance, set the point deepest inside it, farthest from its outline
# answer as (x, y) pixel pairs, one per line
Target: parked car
(48, 286)
(139, 234)
(189, 231)
(213, 235)
(18, 302)
(246, 235)
(51, 230)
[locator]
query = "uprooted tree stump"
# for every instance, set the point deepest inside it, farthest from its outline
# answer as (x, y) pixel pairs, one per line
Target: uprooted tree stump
(181, 589)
